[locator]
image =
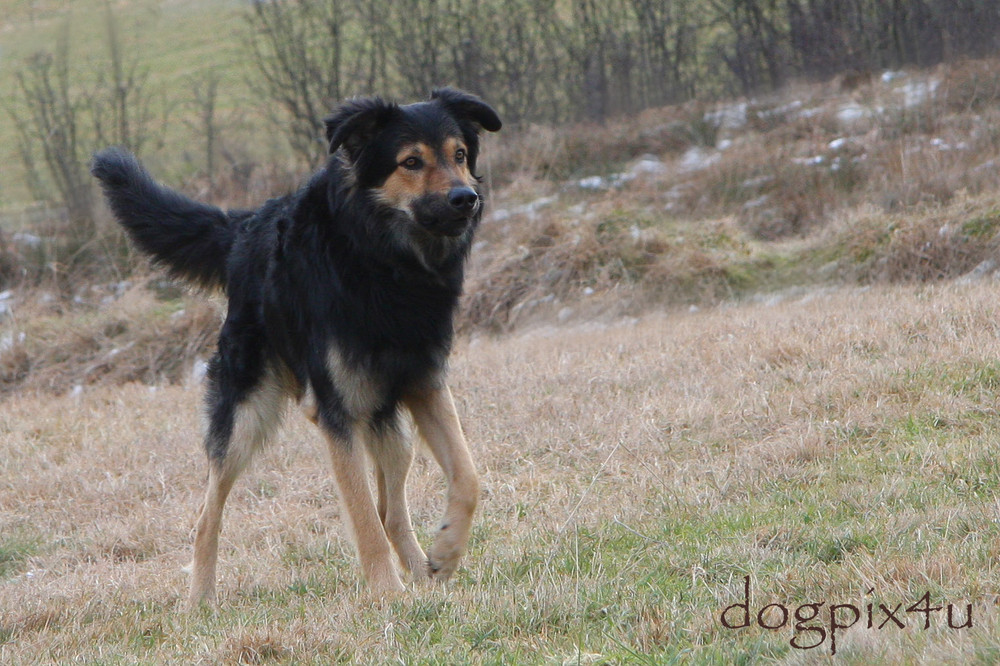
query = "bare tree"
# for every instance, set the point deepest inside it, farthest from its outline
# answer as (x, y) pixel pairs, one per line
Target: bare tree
(204, 100)
(51, 124)
(61, 118)
(308, 55)
(122, 111)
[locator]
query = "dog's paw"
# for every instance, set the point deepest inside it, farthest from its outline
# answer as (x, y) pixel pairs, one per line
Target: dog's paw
(386, 589)
(383, 580)
(199, 601)
(420, 570)
(443, 561)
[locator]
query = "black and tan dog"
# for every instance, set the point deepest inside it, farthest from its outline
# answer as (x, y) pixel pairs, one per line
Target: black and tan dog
(340, 297)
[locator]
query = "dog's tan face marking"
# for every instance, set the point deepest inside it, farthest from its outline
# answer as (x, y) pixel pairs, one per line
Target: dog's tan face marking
(421, 170)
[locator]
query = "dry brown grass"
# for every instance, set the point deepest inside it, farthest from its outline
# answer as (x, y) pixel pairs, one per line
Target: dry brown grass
(109, 335)
(633, 472)
(918, 139)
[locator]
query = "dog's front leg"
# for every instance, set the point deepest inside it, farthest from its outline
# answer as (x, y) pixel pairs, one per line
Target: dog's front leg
(437, 421)
(351, 473)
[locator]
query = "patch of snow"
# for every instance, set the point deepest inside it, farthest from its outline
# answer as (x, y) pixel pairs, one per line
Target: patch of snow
(781, 111)
(851, 114)
(528, 209)
(754, 183)
(757, 203)
(198, 371)
(943, 145)
(27, 240)
(837, 144)
(988, 165)
(698, 159)
(916, 93)
(984, 269)
(730, 117)
(8, 341)
(648, 165)
(592, 183)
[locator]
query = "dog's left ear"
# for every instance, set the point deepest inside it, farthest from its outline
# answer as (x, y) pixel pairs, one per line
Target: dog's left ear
(465, 106)
(356, 123)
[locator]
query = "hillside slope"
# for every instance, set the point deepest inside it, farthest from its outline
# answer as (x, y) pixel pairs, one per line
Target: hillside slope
(687, 206)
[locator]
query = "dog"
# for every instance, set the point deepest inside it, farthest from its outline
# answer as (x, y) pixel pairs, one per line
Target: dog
(340, 297)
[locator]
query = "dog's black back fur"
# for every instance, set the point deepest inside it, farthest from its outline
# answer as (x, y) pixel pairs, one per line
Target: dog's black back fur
(330, 265)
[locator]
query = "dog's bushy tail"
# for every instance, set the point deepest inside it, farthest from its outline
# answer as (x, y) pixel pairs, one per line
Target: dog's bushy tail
(189, 238)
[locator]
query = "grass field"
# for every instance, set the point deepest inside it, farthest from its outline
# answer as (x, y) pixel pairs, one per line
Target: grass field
(695, 366)
(837, 447)
(174, 44)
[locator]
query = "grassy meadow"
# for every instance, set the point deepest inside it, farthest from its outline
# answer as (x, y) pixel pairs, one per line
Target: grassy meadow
(173, 45)
(837, 446)
(721, 363)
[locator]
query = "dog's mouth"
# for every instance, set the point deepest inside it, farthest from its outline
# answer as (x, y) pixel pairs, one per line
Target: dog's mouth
(446, 215)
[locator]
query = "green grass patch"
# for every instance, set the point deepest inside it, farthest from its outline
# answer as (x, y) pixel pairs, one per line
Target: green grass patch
(982, 227)
(15, 551)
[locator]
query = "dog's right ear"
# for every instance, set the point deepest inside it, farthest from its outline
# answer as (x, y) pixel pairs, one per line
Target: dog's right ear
(356, 123)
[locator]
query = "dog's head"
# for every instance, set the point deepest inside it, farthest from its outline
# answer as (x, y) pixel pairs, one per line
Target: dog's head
(418, 160)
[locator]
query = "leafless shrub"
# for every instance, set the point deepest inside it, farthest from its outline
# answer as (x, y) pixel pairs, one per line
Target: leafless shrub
(61, 118)
(308, 56)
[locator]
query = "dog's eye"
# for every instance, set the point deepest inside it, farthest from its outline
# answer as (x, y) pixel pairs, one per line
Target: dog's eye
(460, 156)
(412, 163)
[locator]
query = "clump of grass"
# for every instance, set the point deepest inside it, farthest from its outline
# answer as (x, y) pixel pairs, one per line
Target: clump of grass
(932, 244)
(611, 249)
(254, 648)
(102, 338)
(970, 85)
(16, 548)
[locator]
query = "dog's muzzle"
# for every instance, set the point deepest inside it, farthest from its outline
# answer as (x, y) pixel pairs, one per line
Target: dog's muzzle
(449, 214)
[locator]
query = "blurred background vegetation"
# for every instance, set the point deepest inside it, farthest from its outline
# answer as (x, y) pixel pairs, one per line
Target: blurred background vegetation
(191, 82)
(655, 152)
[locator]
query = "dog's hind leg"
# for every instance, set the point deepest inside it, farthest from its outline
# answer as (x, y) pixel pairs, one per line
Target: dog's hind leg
(347, 454)
(437, 421)
(235, 433)
(206, 542)
(392, 454)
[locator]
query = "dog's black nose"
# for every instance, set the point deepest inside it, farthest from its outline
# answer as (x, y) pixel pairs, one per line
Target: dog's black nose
(463, 199)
